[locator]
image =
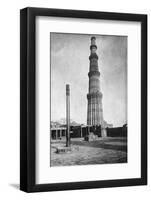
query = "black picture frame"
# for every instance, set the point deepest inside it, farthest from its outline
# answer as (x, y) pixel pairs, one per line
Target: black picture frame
(28, 99)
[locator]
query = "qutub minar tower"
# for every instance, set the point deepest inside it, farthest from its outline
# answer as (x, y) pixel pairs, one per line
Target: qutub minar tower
(95, 111)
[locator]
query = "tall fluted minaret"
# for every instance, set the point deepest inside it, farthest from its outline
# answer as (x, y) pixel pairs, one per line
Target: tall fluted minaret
(95, 111)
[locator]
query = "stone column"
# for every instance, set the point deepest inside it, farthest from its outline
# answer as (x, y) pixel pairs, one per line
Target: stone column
(68, 115)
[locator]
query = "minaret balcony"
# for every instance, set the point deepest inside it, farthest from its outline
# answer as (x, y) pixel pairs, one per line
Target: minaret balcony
(92, 73)
(93, 55)
(94, 95)
(93, 46)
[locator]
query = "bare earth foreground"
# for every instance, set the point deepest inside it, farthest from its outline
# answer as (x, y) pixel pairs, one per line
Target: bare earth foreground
(101, 151)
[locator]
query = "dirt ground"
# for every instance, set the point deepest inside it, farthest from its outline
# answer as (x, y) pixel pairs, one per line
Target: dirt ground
(101, 151)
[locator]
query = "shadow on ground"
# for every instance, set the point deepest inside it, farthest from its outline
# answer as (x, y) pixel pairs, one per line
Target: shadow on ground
(100, 151)
(122, 146)
(15, 185)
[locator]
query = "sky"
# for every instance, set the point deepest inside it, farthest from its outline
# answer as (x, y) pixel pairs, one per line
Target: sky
(69, 58)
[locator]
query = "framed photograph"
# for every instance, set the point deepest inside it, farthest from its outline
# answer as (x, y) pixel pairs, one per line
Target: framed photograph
(83, 99)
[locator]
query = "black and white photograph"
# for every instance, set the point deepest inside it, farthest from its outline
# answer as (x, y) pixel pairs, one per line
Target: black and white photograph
(83, 84)
(88, 99)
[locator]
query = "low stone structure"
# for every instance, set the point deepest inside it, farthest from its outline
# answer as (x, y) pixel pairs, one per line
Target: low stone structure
(65, 149)
(90, 137)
